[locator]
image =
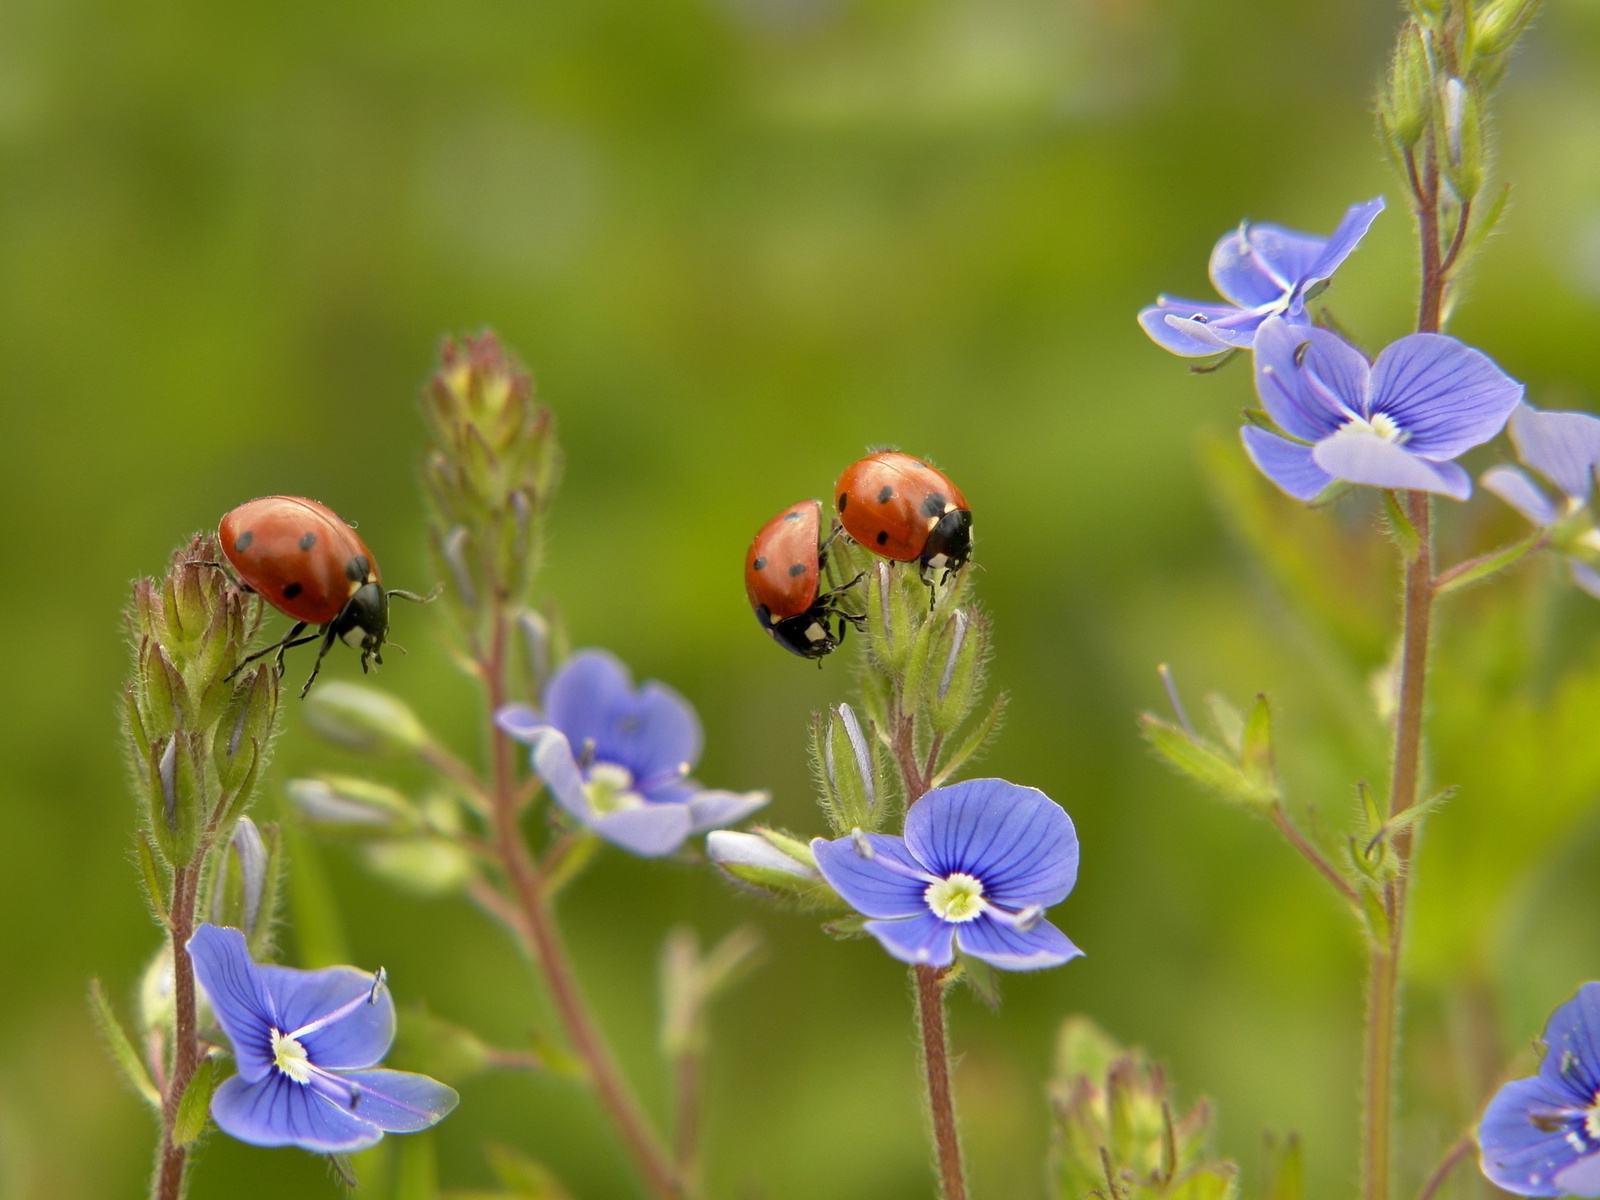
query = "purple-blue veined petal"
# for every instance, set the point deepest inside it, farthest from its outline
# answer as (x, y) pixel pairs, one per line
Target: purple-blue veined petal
(520, 721)
(400, 1101)
(713, 809)
(1310, 381)
(923, 939)
(360, 1038)
(890, 884)
(1190, 338)
(1012, 949)
(1517, 1154)
(1571, 1061)
(1447, 396)
(1361, 456)
(277, 1111)
(1585, 576)
(1015, 840)
(1288, 464)
(1245, 264)
(580, 697)
(649, 830)
(652, 731)
(239, 997)
(1513, 486)
(1564, 447)
(1358, 218)
(553, 762)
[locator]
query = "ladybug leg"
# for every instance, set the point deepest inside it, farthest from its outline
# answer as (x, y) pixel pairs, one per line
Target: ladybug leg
(286, 642)
(326, 634)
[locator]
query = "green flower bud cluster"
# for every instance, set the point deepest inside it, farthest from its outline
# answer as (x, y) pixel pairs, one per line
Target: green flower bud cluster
(198, 730)
(489, 476)
(1115, 1132)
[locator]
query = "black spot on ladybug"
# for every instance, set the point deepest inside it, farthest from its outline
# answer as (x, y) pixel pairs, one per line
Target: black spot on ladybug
(797, 569)
(308, 541)
(844, 498)
(933, 506)
(883, 537)
(794, 516)
(243, 544)
(356, 569)
(760, 564)
(293, 590)
(883, 496)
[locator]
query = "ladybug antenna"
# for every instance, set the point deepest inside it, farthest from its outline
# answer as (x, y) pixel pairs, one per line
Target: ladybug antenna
(393, 645)
(402, 594)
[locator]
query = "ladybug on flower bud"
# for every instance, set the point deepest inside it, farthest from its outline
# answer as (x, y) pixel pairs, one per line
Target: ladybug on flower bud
(783, 577)
(901, 508)
(302, 558)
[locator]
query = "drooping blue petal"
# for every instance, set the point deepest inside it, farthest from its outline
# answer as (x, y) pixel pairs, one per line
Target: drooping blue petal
(1187, 333)
(277, 1111)
(1564, 447)
(239, 997)
(1361, 456)
(360, 1038)
(1257, 265)
(1309, 381)
(923, 939)
(1572, 1048)
(400, 1101)
(1524, 1157)
(1585, 577)
(1513, 486)
(553, 762)
(1351, 229)
(520, 721)
(649, 830)
(1447, 396)
(651, 732)
(1012, 949)
(1288, 464)
(714, 809)
(1015, 840)
(890, 884)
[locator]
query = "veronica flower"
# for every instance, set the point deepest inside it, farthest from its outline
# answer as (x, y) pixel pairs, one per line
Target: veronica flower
(629, 780)
(1396, 423)
(307, 1045)
(1263, 271)
(979, 864)
(1541, 1136)
(1564, 448)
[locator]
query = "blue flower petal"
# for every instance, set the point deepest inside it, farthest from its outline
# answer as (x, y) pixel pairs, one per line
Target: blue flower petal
(277, 1111)
(650, 830)
(519, 721)
(1012, 949)
(1288, 464)
(1357, 220)
(714, 809)
(651, 732)
(1192, 339)
(1258, 265)
(1447, 396)
(1309, 381)
(1585, 577)
(1361, 456)
(1572, 1047)
(400, 1101)
(1564, 447)
(239, 997)
(1582, 1178)
(580, 697)
(360, 1038)
(553, 762)
(1513, 486)
(1016, 840)
(922, 939)
(1518, 1155)
(889, 884)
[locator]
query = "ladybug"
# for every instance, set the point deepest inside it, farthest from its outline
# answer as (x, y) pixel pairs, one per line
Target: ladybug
(903, 509)
(782, 574)
(307, 562)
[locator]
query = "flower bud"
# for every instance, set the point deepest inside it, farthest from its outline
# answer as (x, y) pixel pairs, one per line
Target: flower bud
(535, 631)
(239, 887)
(890, 625)
(1405, 104)
(344, 801)
(961, 649)
(1498, 24)
(364, 720)
(772, 864)
(1462, 106)
(157, 1004)
(176, 797)
(845, 765)
(245, 725)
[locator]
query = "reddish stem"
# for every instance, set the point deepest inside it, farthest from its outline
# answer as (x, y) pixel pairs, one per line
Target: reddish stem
(174, 1159)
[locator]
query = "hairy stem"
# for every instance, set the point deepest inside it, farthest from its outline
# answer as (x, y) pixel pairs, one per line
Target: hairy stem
(936, 1064)
(1451, 1159)
(172, 1164)
(1280, 819)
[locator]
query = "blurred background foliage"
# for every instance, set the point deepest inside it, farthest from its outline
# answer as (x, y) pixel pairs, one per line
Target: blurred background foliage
(740, 241)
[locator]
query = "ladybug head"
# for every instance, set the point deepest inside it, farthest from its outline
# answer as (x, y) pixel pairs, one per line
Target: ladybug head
(364, 623)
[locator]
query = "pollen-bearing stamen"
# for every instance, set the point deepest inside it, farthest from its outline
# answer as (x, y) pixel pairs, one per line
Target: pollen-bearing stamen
(956, 898)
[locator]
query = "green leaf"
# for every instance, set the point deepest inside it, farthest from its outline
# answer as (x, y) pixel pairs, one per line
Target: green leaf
(195, 1107)
(1207, 764)
(1228, 720)
(155, 884)
(975, 741)
(1401, 529)
(1255, 746)
(1476, 570)
(1284, 1169)
(129, 1065)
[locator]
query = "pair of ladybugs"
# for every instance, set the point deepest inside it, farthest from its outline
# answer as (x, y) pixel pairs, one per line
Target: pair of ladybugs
(894, 505)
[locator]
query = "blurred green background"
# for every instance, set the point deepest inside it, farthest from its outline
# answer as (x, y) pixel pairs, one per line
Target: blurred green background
(740, 241)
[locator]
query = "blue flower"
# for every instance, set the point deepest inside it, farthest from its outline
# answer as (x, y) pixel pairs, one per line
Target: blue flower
(636, 746)
(1541, 1136)
(1264, 271)
(979, 864)
(1563, 447)
(1394, 424)
(306, 1044)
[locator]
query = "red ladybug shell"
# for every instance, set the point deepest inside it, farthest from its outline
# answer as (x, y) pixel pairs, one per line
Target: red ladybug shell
(299, 555)
(891, 503)
(782, 568)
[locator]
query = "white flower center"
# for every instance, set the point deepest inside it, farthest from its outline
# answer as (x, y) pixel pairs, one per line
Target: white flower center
(1381, 424)
(956, 898)
(289, 1056)
(1591, 1120)
(610, 788)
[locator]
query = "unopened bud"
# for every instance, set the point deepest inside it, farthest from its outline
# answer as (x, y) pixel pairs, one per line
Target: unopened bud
(454, 549)
(890, 627)
(355, 804)
(846, 770)
(244, 728)
(1406, 102)
(364, 719)
(1463, 117)
(535, 632)
(772, 863)
(1498, 24)
(962, 651)
(241, 879)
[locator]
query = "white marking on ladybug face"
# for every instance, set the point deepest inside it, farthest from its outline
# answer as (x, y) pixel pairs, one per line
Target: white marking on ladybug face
(353, 637)
(938, 561)
(815, 632)
(949, 508)
(932, 521)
